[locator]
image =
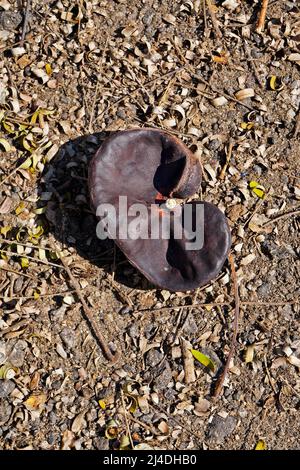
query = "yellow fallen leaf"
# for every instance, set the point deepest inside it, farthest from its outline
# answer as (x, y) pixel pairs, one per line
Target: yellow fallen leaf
(102, 404)
(259, 193)
(40, 210)
(5, 144)
(133, 404)
(275, 83)
(5, 229)
(8, 127)
(220, 59)
(124, 443)
(48, 69)
(257, 189)
(35, 232)
(253, 184)
(24, 262)
(247, 126)
(7, 371)
(203, 359)
(35, 401)
(27, 164)
(20, 208)
(261, 445)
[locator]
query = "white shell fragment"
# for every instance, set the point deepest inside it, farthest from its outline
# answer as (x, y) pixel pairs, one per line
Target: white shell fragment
(219, 101)
(244, 94)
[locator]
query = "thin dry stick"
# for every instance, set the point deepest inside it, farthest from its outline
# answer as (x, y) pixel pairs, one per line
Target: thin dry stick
(258, 205)
(16, 272)
(112, 357)
(282, 216)
(6, 48)
(253, 66)
(41, 296)
(297, 125)
(222, 377)
(211, 6)
(92, 113)
(37, 260)
(262, 16)
(143, 425)
(25, 23)
(218, 304)
(176, 420)
(126, 419)
(228, 157)
(27, 245)
(205, 17)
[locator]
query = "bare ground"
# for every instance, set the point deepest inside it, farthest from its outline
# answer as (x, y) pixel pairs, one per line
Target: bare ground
(97, 67)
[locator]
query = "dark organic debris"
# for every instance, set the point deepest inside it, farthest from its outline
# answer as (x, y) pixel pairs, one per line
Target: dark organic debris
(150, 166)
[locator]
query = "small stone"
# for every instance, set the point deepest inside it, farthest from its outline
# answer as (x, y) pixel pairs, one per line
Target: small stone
(52, 417)
(100, 443)
(5, 411)
(6, 387)
(220, 428)
(148, 17)
(52, 84)
(125, 310)
(162, 381)
(10, 20)
(147, 418)
(153, 358)
(134, 330)
(170, 394)
(17, 355)
(68, 337)
(57, 315)
(190, 325)
(263, 290)
(248, 259)
(214, 144)
(201, 407)
(79, 423)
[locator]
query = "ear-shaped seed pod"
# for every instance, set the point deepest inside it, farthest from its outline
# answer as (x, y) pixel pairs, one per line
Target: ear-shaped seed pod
(148, 167)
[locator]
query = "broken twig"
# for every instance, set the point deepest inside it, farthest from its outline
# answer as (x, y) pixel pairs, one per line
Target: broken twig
(262, 16)
(228, 157)
(112, 357)
(282, 216)
(220, 381)
(25, 23)
(211, 9)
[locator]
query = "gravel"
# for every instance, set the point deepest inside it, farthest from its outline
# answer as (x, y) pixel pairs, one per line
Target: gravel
(6, 387)
(153, 358)
(18, 353)
(220, 428)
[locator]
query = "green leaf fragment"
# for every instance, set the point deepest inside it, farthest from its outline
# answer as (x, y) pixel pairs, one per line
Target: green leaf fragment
(203, 359)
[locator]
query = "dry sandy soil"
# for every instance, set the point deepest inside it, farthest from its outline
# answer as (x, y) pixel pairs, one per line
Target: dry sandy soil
(89, 68)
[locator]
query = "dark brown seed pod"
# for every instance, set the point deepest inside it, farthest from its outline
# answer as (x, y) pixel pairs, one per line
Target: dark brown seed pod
(149, 166)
